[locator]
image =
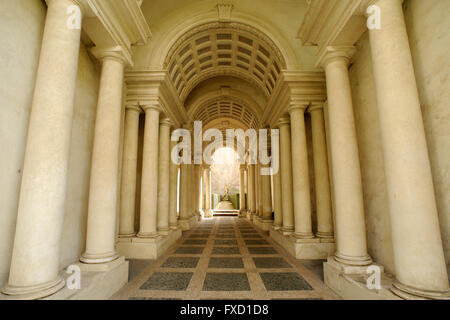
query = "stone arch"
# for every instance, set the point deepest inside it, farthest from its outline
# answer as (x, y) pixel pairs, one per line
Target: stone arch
(226, 102)
(217, 49)
(157, 57)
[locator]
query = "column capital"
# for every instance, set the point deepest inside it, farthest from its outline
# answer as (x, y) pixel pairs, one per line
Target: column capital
(166, 122)
(114, 53)
(80, 3)
(298, 106)
(242, 167)
(133, 108)
(151, 106)
(284, 122)
(336, 53)
(316, 107)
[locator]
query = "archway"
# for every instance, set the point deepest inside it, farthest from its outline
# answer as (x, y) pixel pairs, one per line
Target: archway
(225, 182)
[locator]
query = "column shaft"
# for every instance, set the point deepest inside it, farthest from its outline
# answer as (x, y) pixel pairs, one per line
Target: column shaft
(173, 191)
(164, 176)
(207, 175)
(35, 258)
(278, 220)
(321, 174)
(256, 188)
(266, 196)
(129, 172)
(350, 222)
(242, 189)
(286, 175)
(197, 173)
(253, 188)
(102, 211)
(184, 192)
(419, 259)
(300, 173)
(149, 188)
(247, 190)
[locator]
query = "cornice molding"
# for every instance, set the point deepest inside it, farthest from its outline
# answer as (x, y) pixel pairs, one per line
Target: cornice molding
(116, 53)
(123, 23)
(334, 23)
(146, 87)
(296, 88)
(335, 52)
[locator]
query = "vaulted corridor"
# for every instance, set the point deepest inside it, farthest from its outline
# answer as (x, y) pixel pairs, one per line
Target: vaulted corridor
(225, 258)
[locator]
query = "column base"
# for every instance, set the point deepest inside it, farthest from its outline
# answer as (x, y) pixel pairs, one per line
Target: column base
(287, 231)
(187, 224)
(350, 282)
(32, 292)
(98, 282)
(130, 235)
(306, 236)
(164, 231)
(276, 227)
(353, 261)
(208, 214)
(305, 249)
(147, 248)
(410, 293)
(98, 258)
(263, 224)
(325, 235)
(242, 213)
(148, 235)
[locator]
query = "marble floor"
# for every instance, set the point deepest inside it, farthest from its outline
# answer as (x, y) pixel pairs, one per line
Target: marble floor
(225, 258)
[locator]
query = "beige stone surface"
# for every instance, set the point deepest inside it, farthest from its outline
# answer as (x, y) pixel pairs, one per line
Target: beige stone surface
(102, 210)
(428, 32)
(19, 57)
(371, 170)
(417, 244)
(378, 224)
(300, 172)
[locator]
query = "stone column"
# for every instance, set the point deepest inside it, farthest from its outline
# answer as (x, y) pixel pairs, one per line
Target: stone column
(129, 172)
(278, 219)
(102, 211)
(300, 172)
(242, 189)
(266, 196)
(260, 191)
(164, 176)
(418, 254)
(247, 190)
(198, 185)
(207, 178)
(251, 179)
(35, 258)
(286, 175)
(349, 208)
(173, 191)
(257, 190)
(149, 188)
(321, 173)
(184, 193)
(191, 190)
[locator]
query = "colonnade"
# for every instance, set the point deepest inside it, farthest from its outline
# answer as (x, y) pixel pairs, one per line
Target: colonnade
(292, 199)
(418, 254)
(420, 268)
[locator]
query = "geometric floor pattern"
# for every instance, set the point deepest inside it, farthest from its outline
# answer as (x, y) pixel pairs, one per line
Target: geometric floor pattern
(221, 259)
